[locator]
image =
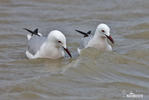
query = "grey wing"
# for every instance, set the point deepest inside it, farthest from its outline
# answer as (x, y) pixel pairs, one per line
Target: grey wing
(84, 41)
(35, 43)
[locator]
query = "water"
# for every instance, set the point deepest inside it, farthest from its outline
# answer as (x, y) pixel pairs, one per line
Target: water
(91, 76)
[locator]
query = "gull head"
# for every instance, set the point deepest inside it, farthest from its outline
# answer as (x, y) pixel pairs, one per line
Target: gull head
(59, 39)
(103, 31)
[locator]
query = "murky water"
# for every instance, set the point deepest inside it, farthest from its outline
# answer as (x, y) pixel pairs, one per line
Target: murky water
(93, 75)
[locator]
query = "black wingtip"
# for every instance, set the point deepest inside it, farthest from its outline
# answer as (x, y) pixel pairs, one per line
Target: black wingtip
(89, 32)
(35, 32)
(29, 31)
(83, 33)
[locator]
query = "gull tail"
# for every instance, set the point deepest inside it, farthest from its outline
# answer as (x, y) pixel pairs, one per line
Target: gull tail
(84, 33)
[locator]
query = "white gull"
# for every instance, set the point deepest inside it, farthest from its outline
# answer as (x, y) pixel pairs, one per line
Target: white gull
(52, 46)
(99, 40)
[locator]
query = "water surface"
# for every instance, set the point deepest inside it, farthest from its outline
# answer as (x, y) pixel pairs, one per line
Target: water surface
(93, 75)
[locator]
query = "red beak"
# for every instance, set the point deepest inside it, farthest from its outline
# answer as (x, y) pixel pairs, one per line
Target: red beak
(110, 38)
(67, 52)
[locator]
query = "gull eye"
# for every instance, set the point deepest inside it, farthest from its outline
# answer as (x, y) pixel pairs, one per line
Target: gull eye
(59, 42)
(103, 31)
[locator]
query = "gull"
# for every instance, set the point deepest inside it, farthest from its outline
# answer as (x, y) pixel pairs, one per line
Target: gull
(98, 40)
(52, 46)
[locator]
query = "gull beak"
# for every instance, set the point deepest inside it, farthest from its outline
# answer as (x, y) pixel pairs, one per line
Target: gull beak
(110, 38)
(67, 52)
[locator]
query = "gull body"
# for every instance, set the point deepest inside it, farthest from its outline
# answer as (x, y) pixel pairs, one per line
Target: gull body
(98, 40)
(52, 46)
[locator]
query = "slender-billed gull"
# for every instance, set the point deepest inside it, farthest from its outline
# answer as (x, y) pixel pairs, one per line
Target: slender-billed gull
(98, 40)
(52, 46)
